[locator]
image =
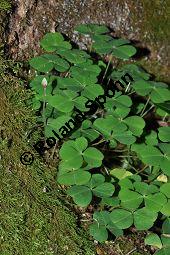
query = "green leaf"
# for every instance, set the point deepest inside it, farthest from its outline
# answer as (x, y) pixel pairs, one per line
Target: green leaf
(145, 189)
(163, 251)
(85, 69)
(126, 183)
(154, 240)
(113, 202)
(130, 199)
(91, 29)
(164, 106)
(149, 154)
(164, 134)
(104, 190)
(82, 195)
(102, 217)
(54, 41)
(70, 155)
(41, 64)
(142, 87)
(77, 177)
(151, 139)
(155, 202)
(98, 232)
(81, 144)
(125, 138)
(144, 218)
(166, 209)
(93, 157)
(166, 226)
(165, 189)
(160, 95)
(93, 91)
(165, 241)
(124, 52)
(135, 124)
(74, 56)
(57, 123)
(63, 103)
(121, 218)
(86, 131)
(95, 180)
(120, 173)
(59, 64)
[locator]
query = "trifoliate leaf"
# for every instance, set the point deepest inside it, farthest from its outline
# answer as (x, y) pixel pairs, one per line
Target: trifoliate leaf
(130, 199)
(135, 124)
(154, 202)
(165, 189)
(98, 232)
(144, 218)
(104, 190)
(121, 218)
(81, 195)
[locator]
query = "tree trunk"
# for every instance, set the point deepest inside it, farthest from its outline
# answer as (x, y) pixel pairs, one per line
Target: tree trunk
(143, 21)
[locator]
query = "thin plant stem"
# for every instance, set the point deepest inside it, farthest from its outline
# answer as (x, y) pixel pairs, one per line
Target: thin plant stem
(147, 102)
(101, 141)
(44, 105)
(107, 67)
(127, 88)
(152, 106)
(164, 117)
(54, 149)
(120, 150)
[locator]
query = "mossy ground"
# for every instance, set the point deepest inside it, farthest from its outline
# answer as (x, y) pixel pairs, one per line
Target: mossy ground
(5, 5)
(33, 217)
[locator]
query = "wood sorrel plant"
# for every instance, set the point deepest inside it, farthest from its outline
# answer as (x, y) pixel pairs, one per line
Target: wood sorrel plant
(119, 157)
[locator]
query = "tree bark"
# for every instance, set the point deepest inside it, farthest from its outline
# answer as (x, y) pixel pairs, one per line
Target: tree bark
(142, 21)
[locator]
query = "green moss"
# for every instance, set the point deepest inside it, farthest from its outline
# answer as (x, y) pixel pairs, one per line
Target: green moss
(152, 23)
(5, 5)
(33, 221)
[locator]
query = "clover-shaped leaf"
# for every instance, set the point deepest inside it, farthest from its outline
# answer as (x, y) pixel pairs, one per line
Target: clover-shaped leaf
(78, 177)
(121, 218)
(165, 189)
(130, 199)
(154, 240)
(120, 173)
(164, 134)
(135, 124)
(144, 218)
(82, 195)
(92, 156)
(86, 130)
(54, 41)
(155, 202)
(166, 209)
(95, 180)
(98, 232)
(74, 56)
(105, 189)
(85, 69)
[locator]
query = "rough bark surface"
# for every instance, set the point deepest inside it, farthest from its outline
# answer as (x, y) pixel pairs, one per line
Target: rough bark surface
(141, 20)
